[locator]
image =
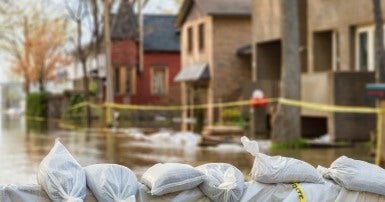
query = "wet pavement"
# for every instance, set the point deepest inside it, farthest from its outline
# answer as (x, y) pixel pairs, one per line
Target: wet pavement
(21, 152)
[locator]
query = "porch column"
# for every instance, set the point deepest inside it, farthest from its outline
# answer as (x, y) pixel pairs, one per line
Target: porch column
(210, 108)
(184, 107)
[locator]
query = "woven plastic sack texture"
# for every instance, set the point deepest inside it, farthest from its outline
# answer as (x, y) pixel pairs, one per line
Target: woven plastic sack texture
(111, 182)
(163, 178)
(356, 175)
(278, 169)
(61, 176)
(190, 195)
(223, 182)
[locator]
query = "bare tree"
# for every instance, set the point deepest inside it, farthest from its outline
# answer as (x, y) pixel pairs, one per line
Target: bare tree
(286, 121)
(78, 13)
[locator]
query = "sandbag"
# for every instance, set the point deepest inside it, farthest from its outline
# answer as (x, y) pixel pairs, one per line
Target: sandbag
(223, 182)
(358, 196)
(163, 178)
(285, 192)
(21, 193)
(278, 169)
(111, 182)
(61, 176)
(189, 195)
(356, 175)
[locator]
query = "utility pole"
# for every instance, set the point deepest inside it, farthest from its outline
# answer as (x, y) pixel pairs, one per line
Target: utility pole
(107, 43)
(140, 23)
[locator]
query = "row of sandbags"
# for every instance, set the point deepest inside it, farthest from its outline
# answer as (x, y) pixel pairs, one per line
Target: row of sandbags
(253, 191)
(63, 179)
(351, 174)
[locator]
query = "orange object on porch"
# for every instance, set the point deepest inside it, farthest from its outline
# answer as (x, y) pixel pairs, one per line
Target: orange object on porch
(258, 102)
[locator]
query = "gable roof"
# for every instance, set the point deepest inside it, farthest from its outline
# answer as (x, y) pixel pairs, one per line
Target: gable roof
(124, 23)
(160, 33)
(215, 8)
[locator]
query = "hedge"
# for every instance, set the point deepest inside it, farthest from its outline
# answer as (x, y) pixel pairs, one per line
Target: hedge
(37, 104)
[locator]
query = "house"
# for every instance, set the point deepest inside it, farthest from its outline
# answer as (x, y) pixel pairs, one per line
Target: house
(124, 52)
(337, 40)
(152, 85)
(211, 33)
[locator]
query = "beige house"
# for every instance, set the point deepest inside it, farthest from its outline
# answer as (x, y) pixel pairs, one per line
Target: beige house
(211, 33)
(337, 50)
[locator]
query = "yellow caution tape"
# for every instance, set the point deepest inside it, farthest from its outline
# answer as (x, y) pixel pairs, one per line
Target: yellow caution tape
(330, 108)
(295, 103)
(283, 101)
(36, 118)
(298, 189)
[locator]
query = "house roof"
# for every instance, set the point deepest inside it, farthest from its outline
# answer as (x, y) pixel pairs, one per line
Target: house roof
(215, 8)
(160, 34)
(124, 23)
(194, 72)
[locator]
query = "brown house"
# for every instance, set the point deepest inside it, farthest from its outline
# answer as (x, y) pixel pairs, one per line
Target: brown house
(337, 50)
(211, 33)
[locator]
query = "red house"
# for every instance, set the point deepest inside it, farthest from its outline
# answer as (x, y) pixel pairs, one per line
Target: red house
(161, 60)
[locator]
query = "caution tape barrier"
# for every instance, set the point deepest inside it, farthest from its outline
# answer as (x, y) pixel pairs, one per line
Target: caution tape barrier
(289, 102)
(283, 101)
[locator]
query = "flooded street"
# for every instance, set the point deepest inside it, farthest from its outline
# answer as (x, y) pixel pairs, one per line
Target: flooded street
(21, 152)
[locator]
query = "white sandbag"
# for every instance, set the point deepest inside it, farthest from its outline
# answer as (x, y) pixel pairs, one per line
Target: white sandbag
(356, 175)
(326, 192)
(223, 182)
(357, 196)
(278, 169)
(255, 191)
(190, 195)
(111, 182)
(163, 178)
(23, 193)
(61, 176)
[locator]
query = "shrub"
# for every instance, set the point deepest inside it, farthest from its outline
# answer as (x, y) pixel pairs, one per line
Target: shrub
(37, 111)
(37, 105)
(77, 112)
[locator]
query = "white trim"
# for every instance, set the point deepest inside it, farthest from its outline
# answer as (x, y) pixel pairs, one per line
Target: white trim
(370, 32)
(335, 45)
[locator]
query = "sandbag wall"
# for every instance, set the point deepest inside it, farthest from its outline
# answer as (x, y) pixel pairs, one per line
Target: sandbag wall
(274, 178)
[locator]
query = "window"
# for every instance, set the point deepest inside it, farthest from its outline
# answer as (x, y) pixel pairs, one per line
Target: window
(159, 81)
(189, 39)
(201, 32)
(325, 50)
(365, 49)
(124, 81)
(130, 81)
(117, 80)
(336, 51)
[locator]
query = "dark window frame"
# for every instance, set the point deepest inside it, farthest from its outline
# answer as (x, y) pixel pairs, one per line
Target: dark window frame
(201, 36)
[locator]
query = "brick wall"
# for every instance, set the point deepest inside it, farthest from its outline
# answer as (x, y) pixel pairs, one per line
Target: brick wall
(143, 85)
(123, 52)
(231, 71)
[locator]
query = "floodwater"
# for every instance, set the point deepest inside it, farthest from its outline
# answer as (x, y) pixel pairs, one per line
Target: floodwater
(21, 152)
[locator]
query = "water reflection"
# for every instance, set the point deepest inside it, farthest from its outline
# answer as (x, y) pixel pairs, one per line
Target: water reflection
(21, 152)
